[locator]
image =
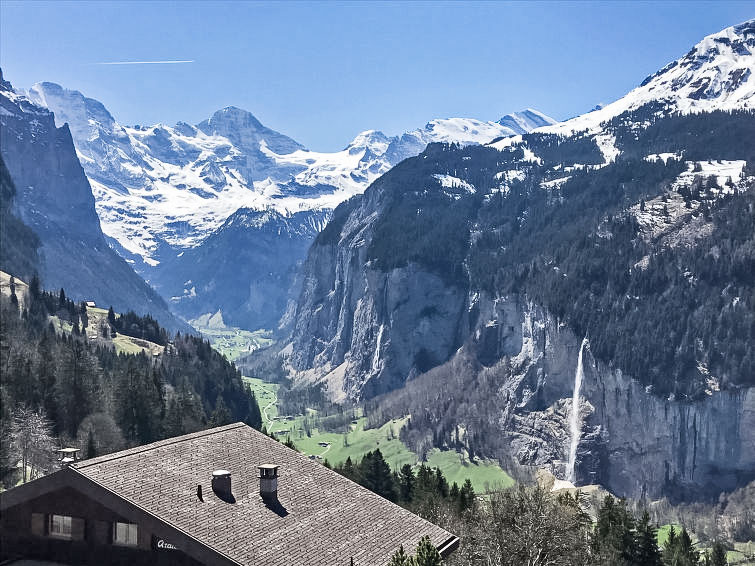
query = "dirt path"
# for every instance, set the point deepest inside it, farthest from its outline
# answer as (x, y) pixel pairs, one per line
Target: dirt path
(268, 420)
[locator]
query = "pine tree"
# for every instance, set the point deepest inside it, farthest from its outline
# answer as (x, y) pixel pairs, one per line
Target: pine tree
(91, 450)
(400, 558)
(441, 484)
(466, 496)
(406, 481)
(718, 555)
(34, 288)
(253, 414)
(376, 475)
(454, 492)
(687, 550)
(613, 539)
(84, 316)
(221, 415)
(173, 423)
(647, 552)
(679, 549)
(348, 469)
(669, 547)
(427, 554)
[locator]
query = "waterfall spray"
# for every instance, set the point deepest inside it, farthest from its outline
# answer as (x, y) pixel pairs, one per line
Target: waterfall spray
(575, 423)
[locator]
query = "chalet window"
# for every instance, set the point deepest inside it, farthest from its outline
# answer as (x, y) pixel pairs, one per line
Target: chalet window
(60, 526)
(126, 534)
(65, 527)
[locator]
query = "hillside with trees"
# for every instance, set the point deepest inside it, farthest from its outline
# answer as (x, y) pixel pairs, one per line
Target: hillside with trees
(72, 387)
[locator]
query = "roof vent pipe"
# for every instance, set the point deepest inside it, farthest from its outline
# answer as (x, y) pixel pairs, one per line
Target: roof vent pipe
(268, 481)
(221, 484)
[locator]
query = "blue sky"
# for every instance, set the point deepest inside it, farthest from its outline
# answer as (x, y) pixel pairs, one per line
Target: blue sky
(322, 72)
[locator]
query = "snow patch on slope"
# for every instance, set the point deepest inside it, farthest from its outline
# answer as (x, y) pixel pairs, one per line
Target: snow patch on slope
(448, 181)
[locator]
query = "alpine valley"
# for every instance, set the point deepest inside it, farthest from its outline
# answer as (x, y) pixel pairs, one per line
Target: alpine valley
(576, 297)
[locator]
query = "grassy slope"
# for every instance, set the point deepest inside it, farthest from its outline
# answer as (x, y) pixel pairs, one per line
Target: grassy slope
(234, 342)
(123, 344)
(483, 474)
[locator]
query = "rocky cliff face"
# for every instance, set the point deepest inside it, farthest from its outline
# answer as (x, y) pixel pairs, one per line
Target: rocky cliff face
(54, 198)
(495, 375)
(244, 269)
(632, 441)
(364, 330)
(502, 386)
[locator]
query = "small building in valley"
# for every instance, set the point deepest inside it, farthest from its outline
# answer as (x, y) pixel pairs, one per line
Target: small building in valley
(224, 496)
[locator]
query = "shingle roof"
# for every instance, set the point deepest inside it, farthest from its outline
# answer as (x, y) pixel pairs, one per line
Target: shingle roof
(323, 518)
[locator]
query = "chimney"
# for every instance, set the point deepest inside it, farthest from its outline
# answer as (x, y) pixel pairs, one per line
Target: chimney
(221, 484)
(268, 481)
(67, 456)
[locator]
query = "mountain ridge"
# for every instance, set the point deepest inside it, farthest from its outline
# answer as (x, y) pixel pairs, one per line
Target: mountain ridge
(165, 192)
(264, 169)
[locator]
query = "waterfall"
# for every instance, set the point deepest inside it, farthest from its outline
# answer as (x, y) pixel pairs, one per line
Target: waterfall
(376, 356)
(575, 423)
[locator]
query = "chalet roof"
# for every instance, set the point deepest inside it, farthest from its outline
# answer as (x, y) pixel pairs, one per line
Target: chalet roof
(320, 518)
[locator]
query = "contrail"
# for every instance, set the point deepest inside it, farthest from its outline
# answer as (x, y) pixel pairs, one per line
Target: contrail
(142, 62)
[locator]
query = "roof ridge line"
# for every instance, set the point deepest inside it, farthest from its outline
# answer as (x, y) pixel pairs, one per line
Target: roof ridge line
(153, 445)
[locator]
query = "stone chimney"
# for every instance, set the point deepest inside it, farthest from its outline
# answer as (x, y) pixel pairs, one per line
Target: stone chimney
(268, 482)
(221, 484)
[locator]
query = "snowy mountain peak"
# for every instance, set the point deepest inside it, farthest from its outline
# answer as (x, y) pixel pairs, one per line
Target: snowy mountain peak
(85, 116)
(368, 137)
(233, 115)
(716, 74)
(717, 69)
(525, 121)
(374, 141)
(245, 131)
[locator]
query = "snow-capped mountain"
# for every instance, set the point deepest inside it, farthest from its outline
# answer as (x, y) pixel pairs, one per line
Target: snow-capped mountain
(162, 189)
(525, 121)
(716, 74)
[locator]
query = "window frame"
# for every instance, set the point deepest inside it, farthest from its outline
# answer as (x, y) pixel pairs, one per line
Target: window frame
(60, 534)
(129, 528)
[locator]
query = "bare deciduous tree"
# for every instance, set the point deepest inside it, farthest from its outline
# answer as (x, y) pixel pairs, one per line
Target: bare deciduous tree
(33, 439)
(525, 526)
